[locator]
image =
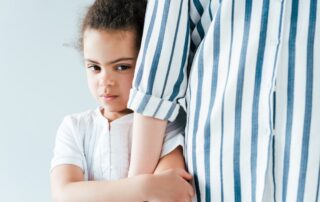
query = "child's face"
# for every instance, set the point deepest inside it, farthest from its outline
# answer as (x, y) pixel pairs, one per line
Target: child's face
(110, 59)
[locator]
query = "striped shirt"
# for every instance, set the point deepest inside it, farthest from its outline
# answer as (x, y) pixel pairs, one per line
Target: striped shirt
(247, 73)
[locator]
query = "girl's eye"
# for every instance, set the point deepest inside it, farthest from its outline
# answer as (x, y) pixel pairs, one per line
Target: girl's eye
(94, 68)
(122, 67)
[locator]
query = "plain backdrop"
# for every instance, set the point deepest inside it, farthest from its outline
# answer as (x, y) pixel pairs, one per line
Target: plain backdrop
(42, 79)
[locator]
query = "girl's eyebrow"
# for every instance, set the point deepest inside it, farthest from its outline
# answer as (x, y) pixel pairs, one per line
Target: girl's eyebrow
(92, 61)
(119, 60)
(111, 62)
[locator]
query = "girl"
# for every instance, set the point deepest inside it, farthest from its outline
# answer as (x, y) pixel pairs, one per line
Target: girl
(92, 150)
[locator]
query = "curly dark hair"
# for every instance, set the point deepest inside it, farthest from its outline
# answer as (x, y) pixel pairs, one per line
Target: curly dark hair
(115, 15)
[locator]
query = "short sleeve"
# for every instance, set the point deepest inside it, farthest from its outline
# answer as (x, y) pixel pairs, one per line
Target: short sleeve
(160, 79)
(67, 149)
(174, 136)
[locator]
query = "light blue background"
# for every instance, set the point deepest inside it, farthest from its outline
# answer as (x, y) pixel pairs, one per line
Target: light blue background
(41, 81)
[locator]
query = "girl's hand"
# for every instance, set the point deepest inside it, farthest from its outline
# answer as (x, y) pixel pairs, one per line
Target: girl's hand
(170, 185)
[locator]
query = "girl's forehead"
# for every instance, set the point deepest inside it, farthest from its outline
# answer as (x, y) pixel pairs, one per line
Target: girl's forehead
(108, 36)
(105, 46)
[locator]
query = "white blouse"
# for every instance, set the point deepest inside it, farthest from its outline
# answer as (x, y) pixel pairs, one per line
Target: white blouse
(102, 149)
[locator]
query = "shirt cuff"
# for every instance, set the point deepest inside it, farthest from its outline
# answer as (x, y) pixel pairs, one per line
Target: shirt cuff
(171, 143)
(152, 106)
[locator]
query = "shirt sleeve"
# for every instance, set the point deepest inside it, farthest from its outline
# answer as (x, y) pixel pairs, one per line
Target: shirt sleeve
(67, 149)
(174, 136)
(161, 72)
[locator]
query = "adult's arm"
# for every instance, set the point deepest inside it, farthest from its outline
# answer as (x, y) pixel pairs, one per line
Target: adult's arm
(160, 79)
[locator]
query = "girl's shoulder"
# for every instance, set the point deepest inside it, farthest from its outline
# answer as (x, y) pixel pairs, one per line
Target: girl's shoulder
(81, 126)
(82, 120)
(85, 115)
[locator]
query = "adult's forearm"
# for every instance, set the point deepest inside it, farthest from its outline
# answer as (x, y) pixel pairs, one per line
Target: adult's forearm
(147, 139)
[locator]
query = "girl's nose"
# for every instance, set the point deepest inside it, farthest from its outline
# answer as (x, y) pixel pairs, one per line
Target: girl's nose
(106, 80)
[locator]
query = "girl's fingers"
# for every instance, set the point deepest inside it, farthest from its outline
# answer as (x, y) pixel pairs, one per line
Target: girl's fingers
(183, 174)
(191, 191)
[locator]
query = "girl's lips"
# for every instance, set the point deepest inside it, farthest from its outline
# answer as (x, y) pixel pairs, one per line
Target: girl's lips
(109, 97)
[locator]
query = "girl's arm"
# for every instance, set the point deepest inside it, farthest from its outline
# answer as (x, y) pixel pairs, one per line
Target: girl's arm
(171, 161)
(67, 185)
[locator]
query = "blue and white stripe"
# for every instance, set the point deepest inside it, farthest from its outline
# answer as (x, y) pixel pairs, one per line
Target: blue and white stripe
(248, 73)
